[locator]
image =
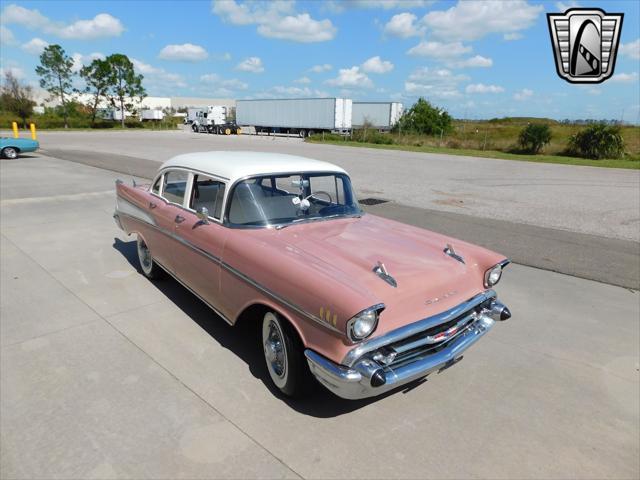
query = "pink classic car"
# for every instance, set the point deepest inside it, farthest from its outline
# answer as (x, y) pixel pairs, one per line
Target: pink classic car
(362, 303)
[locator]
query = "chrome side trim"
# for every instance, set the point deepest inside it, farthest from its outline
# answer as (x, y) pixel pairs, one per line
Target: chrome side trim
(375, 343)
(125, 207)
(244, 277)
(217, 312)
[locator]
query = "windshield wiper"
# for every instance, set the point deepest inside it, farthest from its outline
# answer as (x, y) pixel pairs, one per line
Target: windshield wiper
(310, 219)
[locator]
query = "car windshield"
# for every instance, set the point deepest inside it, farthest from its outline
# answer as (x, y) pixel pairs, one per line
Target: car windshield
(286, 199)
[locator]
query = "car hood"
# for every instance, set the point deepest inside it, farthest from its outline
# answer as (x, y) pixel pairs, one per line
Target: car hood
(428, 280)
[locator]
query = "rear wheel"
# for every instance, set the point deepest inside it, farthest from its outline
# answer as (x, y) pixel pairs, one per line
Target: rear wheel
(284, 355)
(302, 133)
(150, 269)
(10, 152)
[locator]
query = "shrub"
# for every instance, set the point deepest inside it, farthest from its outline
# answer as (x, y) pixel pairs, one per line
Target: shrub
(597, 141)
(534, 136)
(425, 118)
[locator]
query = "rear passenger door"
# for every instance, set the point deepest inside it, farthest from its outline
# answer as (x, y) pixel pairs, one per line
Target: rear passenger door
(169, 213)
(200, 267)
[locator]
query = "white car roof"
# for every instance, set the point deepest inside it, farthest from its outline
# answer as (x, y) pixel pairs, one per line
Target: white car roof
(236, 165)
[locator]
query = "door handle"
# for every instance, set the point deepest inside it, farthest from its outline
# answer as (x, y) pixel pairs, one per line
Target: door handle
(179, 219)
(152, 205)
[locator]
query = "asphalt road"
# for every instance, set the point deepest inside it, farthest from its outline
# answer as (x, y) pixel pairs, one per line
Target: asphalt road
(594, 257)
(104, 374)
(590, 200)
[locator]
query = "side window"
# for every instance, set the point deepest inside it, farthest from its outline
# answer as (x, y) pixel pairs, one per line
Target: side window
(175, 184)
(156, 186)
(208, 193)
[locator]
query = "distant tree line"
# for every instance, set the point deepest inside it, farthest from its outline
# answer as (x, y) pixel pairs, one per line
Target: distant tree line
(113, 79)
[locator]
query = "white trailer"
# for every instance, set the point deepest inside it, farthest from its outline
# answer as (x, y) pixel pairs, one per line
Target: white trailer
(156, 115)
(380, 115)
(300, 116)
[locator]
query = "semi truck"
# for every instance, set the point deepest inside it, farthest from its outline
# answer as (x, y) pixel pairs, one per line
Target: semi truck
(299, 116)
(380, 115)
(215, 119)
(192, 113)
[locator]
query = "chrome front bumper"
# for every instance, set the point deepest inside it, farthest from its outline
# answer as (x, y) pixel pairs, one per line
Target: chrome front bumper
(367, 377)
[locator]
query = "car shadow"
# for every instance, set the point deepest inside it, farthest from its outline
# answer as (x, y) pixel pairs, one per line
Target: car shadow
(242, 340)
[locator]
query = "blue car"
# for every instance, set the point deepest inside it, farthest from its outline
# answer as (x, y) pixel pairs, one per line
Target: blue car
(12, 147)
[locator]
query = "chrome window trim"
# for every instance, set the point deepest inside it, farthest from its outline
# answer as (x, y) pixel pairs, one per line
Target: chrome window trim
(375, 343)
(193, 174)
(244, 277)
(227, 203)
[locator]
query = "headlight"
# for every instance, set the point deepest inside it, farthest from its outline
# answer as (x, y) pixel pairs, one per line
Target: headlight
(492, 276)
(364, 323)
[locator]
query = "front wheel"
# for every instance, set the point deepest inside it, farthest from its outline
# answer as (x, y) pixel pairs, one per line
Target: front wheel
(194, 127)
(284, 355)
(10, 152)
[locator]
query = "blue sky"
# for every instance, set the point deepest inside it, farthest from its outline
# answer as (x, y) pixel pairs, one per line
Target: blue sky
(477, 59)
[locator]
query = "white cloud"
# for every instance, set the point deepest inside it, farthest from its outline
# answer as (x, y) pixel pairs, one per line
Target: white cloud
(6, 36)
(35, 46)
(80, 60)
(186, 52)
(303, 80)
(15, 71)
(228, 84)
(102, 25)
(438, 49)
(298, 92)
(325, 67)
(158, 77)
(275, 19)
(564, 6)
(377, 65)
(474, 20)
(625, 77)
(477, 61)
(403, 25)
(299, 28)
(439, 83)
(338, 6)
(482, 88)
(631, 49)
(251, 64)
(351, 77)
(523, 94)
(509, 37)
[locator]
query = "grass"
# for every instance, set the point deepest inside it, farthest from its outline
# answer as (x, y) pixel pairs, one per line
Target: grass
(609, 163)
(498, 139)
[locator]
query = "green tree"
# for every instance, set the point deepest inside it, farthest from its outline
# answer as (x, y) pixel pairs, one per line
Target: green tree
(534, 136)
(55, 71)
(97, 77)
(425, 118)
(598, 141)
(123, 83)
(16, 98)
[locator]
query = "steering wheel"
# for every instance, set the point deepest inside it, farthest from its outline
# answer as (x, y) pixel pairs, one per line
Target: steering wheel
(322, 192)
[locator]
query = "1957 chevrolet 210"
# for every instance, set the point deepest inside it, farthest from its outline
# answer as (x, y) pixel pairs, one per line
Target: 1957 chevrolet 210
(363, 303)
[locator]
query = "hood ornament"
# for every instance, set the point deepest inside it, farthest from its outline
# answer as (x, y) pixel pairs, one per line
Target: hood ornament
(452, 253)
(381, 271)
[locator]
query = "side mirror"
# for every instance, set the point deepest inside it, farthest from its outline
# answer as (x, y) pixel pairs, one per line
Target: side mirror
(203, 215)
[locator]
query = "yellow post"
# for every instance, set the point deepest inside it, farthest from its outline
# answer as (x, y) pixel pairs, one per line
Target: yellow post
(14, 125)
(33, 131)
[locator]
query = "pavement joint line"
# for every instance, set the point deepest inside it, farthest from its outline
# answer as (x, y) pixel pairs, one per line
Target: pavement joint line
(83, 324)
(105, 319)
(73, 196)
(563, 360)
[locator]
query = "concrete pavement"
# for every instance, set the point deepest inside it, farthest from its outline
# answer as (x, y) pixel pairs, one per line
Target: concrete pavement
(107, 375)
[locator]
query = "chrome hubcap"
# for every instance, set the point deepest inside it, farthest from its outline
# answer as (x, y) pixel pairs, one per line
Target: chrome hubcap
(144, 255)
(274, 349)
